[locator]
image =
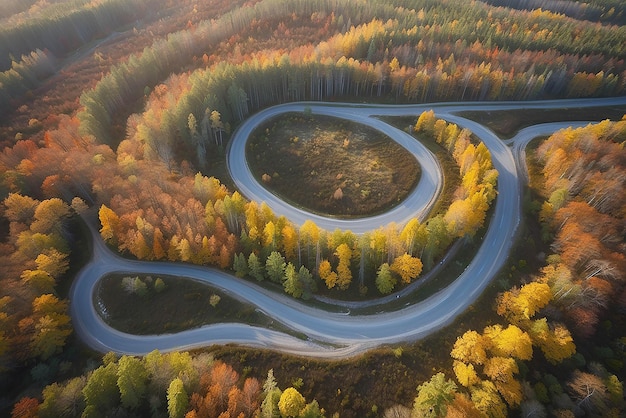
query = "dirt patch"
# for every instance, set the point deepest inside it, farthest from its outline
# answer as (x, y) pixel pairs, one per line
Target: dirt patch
(331, 166)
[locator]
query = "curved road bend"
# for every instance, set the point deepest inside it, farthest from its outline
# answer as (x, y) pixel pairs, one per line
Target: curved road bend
(417, 204)
(329, 334)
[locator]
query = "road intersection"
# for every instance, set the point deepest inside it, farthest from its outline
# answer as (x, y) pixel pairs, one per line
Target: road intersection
(329, 334)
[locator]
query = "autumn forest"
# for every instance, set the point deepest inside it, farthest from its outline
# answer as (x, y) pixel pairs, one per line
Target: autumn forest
(117, 122)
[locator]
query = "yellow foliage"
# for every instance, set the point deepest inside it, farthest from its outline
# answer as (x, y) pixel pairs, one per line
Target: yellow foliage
(407, 266)
(327, 274)
(465, 373)
(500, 369)
(520, 305)
(269, 234)
(556, 344)
(470, 348)
(109, 221)
(511, 341)
(487, 401)
(511, 391)
(289, 241)
(533, 297)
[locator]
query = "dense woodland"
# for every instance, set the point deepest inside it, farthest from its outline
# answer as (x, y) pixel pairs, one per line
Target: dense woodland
(120, 111)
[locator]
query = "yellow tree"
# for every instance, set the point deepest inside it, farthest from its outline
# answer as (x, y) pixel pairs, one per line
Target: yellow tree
(344, 274)
(19, 208)
(407, 266)
(291, 403)
(40, 281)
(378, 244)
(327, 274)
(471, 347)
(425, 122)
(53, 262)
(439, 131)
(269, 235)
(520, 305)
(501, 370)
(252, 220)
(414, 235)
(471, 179)
(51, 326)
(556, 344)
(509, 342)
(309, 238)
(110, 223)
(465, 373)
(459, 218)
(533, 297)
(49, 215)
(487, 401)
(289, 242)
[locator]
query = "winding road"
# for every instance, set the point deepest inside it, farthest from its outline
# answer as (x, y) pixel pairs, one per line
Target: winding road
(336, 334)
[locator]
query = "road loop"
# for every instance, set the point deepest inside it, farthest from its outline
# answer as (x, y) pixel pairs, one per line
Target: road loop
(331, 335)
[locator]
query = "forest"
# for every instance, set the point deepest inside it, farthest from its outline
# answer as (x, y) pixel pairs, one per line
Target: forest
(118, 114)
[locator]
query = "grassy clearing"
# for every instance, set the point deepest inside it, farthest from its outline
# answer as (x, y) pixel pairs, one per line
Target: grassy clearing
(331, 166)
(175, 305)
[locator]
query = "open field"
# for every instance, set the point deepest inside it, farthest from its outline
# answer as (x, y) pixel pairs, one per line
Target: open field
(331, 166)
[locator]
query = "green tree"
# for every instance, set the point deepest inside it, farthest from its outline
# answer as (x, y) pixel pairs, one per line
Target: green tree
(385, 282)
(291, 403)
(292, 284)
(269, 406)
(101, 391)
(177, 399)
(311, 410)
(255, 267)
(240, 265)
(132, 381)
(159, 285)
(270, 382)
(434, 396)
(307, 282)
(275, 267)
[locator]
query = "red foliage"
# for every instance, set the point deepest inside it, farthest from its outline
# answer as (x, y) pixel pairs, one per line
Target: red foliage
(25, 408)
